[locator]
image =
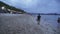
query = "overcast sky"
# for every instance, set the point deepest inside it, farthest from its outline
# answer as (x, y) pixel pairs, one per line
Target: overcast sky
(36, 6)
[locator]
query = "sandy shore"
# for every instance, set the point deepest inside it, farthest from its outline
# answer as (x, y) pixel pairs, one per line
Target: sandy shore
(27, 24)
(18, 24)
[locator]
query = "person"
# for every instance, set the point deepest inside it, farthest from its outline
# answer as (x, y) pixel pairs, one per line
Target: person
(58, 26)
(38, 19)
(58, 20)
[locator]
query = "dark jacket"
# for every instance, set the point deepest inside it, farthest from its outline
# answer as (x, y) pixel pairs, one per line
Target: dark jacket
(38, 18)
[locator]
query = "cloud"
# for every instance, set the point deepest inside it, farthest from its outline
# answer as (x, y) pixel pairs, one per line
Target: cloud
(35, 6)
(58, 1)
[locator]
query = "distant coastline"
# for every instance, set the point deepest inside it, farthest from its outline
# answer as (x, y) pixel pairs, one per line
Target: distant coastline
(45, 13)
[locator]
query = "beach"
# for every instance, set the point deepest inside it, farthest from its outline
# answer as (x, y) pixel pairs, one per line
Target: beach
(27, 24)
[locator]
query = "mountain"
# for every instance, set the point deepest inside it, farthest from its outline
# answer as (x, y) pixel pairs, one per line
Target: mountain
(10, 7)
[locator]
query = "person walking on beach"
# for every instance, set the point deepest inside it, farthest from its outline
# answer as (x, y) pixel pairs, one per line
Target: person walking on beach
(38, 19)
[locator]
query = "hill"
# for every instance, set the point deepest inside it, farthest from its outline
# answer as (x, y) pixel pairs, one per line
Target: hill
(10, 7)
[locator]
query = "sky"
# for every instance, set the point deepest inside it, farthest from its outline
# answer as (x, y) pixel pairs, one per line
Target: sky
(36, 6)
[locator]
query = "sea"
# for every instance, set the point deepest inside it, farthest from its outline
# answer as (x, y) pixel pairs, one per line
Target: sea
(49, 23)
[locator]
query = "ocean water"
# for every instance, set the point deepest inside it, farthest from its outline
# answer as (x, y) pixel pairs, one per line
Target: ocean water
(49, 23)
(52, 19)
